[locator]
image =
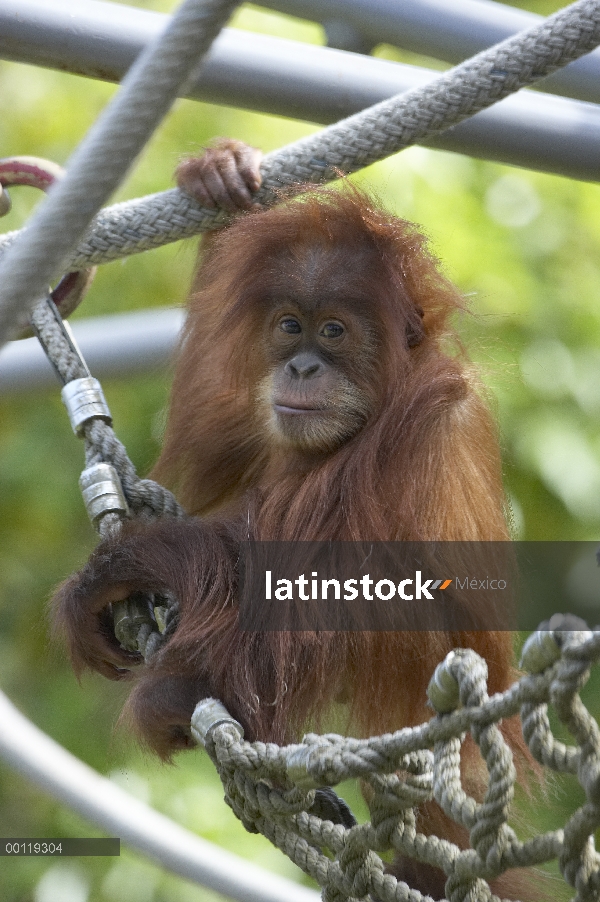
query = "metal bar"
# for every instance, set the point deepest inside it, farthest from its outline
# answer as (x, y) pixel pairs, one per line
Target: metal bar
(299, 80)
(32, 753)
(445, 31)
(106, 153)
(113, 346)
(101, 40)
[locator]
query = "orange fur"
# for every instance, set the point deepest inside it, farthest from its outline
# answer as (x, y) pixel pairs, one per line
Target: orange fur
(424, 466)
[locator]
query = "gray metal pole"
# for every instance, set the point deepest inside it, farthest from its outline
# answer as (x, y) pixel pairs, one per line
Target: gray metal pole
(299, 80)
(39, 758)
(113, 346)
(450, 31)
(102, 39)
(104, 156)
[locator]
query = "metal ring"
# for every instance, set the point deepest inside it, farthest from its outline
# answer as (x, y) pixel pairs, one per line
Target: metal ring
(208, 714)
(85, 401)
(39, 173)
(102, 491)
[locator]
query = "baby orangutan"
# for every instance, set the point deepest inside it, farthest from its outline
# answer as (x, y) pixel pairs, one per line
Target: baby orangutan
(314, 399)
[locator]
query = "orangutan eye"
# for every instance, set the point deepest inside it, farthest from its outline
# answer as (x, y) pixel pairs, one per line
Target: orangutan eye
(290, 325)
(332, 330)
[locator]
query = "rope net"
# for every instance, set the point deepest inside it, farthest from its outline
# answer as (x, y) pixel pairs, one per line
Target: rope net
(271, 789)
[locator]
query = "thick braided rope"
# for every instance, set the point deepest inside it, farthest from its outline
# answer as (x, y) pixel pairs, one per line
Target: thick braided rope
(271, 788)
(351, 144)
(104, 156)
(145, 497)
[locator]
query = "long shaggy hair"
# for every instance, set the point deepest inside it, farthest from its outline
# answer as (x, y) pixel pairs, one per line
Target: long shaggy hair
(425, 466)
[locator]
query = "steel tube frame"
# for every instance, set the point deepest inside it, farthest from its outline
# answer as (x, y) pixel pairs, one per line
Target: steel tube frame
(113, 346)
(446, 31)
(40, 759)
(297, 80)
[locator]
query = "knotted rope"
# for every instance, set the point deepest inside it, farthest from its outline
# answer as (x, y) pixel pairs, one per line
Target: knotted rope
(271, 789)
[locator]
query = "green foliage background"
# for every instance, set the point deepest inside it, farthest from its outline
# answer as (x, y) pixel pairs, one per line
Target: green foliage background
(525, 248)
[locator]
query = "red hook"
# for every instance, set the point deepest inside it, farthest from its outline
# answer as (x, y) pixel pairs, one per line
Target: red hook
(39, 173)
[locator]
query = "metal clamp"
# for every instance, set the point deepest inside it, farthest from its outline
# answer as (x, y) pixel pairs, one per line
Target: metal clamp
(540, 651)
(208, 714)
(102, 492)
(299, 759)
(443, 690)
(85, 401)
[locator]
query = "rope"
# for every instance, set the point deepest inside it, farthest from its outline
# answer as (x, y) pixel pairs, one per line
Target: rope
(349, 145)
(142, 623)
(146, 498)
(104, 156)
(271, 789)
